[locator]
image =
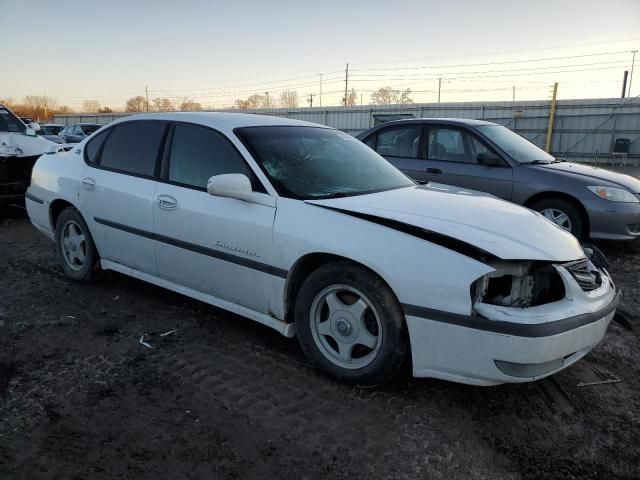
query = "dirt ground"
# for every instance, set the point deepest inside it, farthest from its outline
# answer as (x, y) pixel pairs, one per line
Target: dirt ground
(223, 397)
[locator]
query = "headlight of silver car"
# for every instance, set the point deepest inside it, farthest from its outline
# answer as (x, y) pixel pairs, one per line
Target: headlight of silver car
(614, 194)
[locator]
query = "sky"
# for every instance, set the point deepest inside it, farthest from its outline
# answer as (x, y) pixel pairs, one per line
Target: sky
(217, 51)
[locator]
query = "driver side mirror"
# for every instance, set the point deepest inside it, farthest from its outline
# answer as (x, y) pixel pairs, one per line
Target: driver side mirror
(232, 185)
(30, 132)
(490, 159)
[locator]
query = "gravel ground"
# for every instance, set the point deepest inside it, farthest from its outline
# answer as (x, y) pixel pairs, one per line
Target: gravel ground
(223, 397)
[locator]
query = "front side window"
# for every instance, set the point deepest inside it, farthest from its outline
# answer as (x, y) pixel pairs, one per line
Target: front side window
(198, 153)
(315, 163)
(53, 129)
(399, 142)
(89, 129)
(449, 144)
(133, 147)
(518, 148)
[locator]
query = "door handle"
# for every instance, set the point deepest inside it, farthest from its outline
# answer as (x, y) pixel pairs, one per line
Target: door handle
(167, 202)
(434, 170)
(88, 183)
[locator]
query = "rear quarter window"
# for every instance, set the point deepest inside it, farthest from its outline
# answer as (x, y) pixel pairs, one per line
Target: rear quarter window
(92, 150)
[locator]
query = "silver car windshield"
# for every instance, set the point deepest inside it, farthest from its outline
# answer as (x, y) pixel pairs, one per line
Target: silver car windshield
(518, 148)
(315, 163)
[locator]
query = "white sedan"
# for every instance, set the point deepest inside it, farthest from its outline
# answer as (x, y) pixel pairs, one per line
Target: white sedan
(305, 229)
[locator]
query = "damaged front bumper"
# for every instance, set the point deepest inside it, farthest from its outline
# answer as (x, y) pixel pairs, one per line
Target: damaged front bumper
(15, 177)
(506, 344)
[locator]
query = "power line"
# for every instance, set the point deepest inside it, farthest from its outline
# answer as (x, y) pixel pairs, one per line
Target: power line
(453, 77)
(440, 74)
(492, 63)
(511, 52)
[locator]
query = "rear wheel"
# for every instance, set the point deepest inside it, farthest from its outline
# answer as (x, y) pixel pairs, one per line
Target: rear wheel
(74, 245)
(350, 325)
(562, 213)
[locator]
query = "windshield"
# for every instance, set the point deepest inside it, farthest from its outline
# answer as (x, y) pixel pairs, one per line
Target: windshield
(9, 122)
(517, 147)
(89, 129)
(314, 163)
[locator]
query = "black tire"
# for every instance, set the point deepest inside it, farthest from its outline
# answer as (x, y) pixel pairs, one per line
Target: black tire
(574, 214)
(392, 346)
(76, 270)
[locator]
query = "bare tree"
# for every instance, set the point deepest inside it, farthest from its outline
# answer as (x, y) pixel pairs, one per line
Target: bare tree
(289, 98)
(352, 98)
(162, 104)
(255, 101)
(136, 104)
(7, 102)
(63, 109)
(38, 107)
(186, 104)
(91, 106)
(404, 97)
(105, 110)
(389, 95)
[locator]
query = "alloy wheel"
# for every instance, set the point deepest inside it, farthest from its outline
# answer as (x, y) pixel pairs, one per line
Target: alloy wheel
(346, 327)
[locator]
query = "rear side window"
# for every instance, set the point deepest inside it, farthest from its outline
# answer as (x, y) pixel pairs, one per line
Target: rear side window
(92, 149)
(399, 142)
(198, 153)
(133, 148)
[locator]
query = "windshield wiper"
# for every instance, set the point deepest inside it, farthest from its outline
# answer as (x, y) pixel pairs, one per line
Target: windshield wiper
(335, 195)
(537, 162)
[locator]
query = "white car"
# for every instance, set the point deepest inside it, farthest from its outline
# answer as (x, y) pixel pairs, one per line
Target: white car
(305, 229)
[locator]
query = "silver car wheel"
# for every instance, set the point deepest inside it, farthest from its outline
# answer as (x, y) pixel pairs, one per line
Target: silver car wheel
(558, 217)
(346, 327)
(74, 246)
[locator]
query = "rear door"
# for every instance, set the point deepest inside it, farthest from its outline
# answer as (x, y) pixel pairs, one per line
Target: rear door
(117, 191)
(451, 158)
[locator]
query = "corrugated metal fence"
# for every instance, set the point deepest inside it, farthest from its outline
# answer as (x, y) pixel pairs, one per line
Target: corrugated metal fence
(584, 130)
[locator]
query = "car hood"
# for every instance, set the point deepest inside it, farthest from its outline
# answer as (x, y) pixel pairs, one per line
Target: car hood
(506, 230)
(593, 175)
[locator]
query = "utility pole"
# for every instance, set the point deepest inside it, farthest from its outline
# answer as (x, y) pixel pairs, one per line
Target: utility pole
(513, 98)
(146, 93)
(310, 100)
(346, 83)
(552, 114)
(267, 102)
(439, 88)
(624, 83)
(320, 89)
(360, 99)
(633, 62)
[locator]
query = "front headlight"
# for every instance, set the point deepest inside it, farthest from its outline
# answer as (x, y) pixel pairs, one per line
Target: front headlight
(614, 194)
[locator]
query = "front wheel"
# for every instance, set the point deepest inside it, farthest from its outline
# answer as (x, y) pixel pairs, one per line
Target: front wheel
(350, 325)
(74, 245)
(562, 213)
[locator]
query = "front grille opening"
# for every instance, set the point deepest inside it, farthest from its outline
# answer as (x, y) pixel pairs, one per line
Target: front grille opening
(584, 274)
(520, 284)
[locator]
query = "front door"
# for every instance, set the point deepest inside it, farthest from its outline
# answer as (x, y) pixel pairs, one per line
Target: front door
(451, 158)
(215, 245)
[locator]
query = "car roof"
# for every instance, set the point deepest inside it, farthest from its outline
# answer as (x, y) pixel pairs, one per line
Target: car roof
(458, 121)
(221, 120)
